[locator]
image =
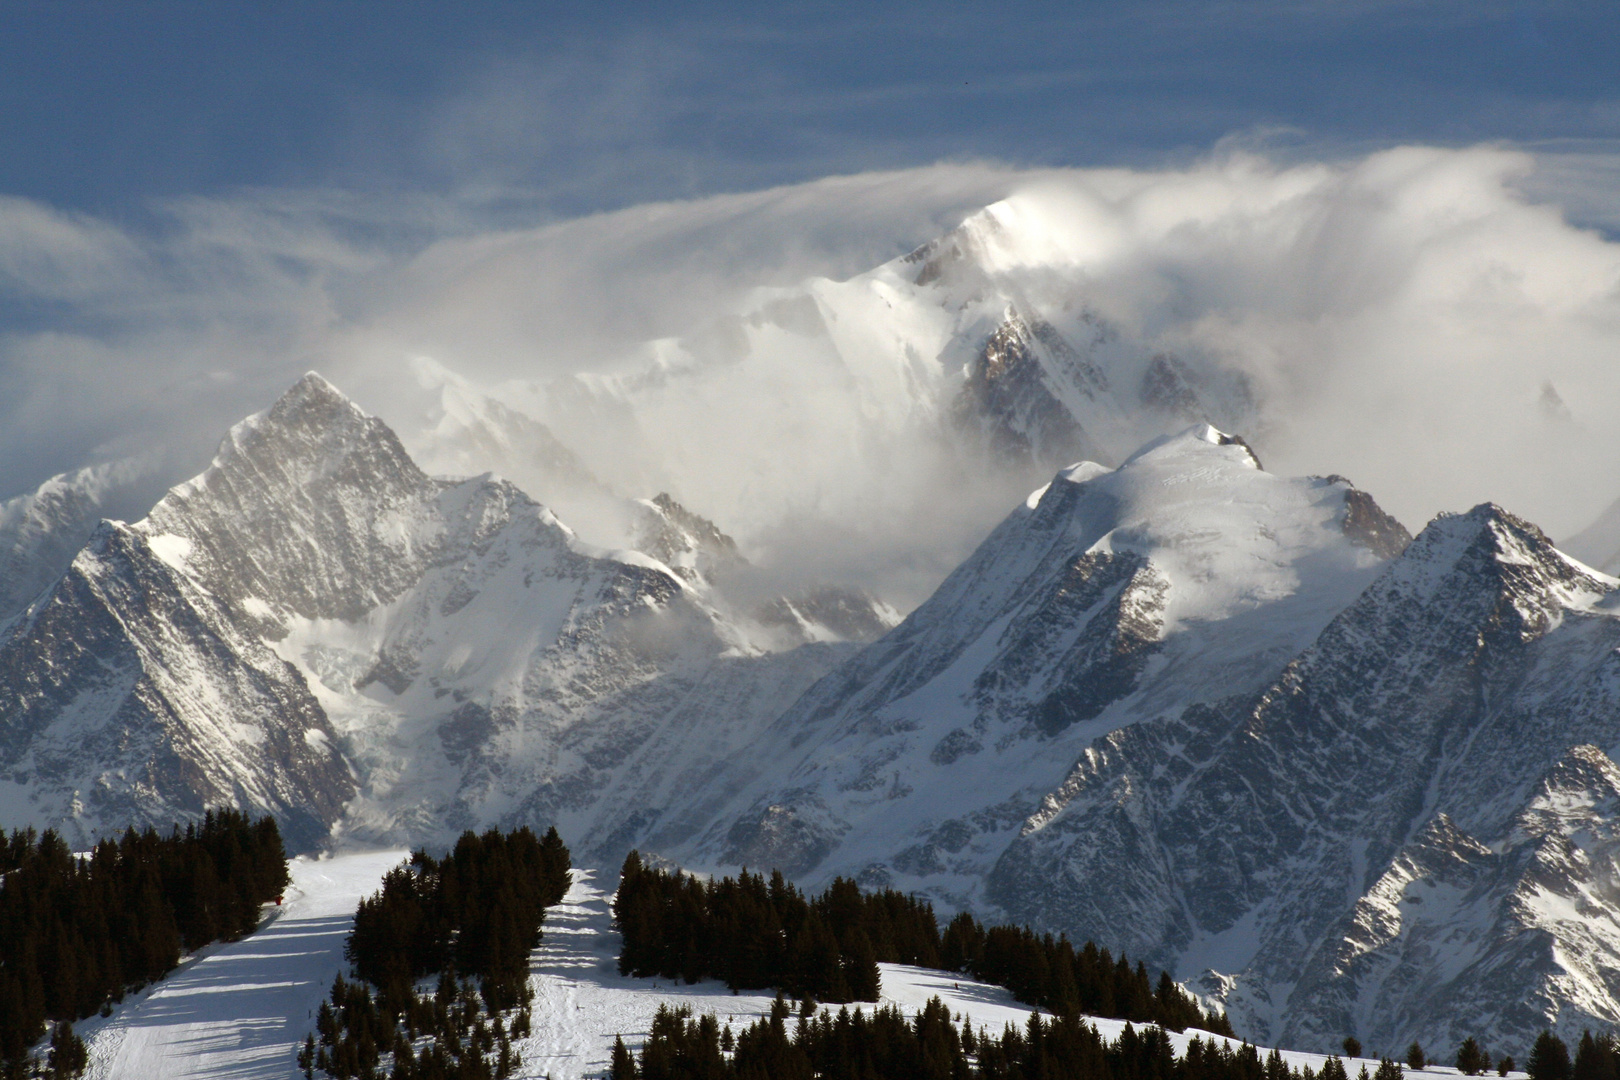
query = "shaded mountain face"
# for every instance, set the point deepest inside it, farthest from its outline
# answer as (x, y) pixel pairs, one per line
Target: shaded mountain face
(1012, 395)
(1450, 687)
(129, 696)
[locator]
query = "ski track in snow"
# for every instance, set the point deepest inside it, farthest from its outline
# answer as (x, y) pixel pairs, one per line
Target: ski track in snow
(238, 1011)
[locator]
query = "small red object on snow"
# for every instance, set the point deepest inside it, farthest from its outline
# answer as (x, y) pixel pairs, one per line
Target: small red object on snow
(278, 901)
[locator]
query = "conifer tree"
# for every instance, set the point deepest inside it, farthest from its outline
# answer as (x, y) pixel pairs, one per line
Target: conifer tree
(75, 932)
(1594, 1058)
(1549, 1058)
(68, 1054)
(624, 1063)
(1471, 1059)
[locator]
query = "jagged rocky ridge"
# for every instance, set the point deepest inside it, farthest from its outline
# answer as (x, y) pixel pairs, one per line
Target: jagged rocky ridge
(316, 628)
(1230, 722)
(42, 530)
(1225, 720)
(1108, 596)
(1238, 725)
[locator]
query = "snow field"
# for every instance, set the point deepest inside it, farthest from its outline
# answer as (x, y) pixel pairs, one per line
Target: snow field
(582, 1002)
(238, 1011)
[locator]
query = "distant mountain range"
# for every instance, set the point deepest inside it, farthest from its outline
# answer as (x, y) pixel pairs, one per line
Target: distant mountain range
(1340, 779)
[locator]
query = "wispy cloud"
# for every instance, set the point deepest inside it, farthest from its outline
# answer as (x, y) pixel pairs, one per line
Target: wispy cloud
(1402, 313)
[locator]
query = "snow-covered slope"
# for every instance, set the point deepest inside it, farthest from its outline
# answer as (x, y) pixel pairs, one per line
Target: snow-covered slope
(1110, 597)
(1276, 834)
(1234, 724)
(1599, 543)
(42, 530)
(240, 1010)
(316, 628)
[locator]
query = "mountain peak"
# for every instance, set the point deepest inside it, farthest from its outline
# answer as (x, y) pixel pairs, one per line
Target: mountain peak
(314, 383)
(1488, 528)
(1499, 566)
(1197, 439)
(313, 396)
(296, 500)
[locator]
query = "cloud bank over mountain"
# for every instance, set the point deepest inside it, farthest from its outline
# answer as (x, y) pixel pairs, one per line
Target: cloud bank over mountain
(1411, 318)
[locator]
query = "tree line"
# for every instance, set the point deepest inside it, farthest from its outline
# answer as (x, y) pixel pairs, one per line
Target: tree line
(756, 935)
(78, 933)
(471, 918)
(1597, 1057)
(880, 1044)
(753, 935)
(1051, 973)
(1472, 1057)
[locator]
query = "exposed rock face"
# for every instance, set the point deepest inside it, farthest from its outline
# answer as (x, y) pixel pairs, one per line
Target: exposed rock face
(1452, 924)
(41, 531)
(1226, 721)
(1109, 598)
(692, 546)
(129, 697)
(315, 628)
(1366, 523)
(312, 509)
(1166, 388)
(1432, 708)
(1012, 396)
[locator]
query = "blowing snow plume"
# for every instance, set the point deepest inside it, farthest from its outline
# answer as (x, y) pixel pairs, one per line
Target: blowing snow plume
(846, 412)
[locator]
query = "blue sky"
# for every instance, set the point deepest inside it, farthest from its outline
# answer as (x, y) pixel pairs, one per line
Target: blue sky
(569, 108)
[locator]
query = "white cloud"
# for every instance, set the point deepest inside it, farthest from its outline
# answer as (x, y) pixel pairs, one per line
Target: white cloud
(1401, 313)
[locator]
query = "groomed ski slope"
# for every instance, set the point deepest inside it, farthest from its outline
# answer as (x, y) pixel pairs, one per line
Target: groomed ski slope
(238, 1011)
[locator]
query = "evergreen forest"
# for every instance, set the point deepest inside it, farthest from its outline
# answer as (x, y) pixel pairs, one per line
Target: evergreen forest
(754, 934)
(79, 932)
(471, 918)
(883, 1045)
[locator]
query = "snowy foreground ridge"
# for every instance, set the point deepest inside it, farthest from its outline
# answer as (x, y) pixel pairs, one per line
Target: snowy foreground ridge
(239, 1010)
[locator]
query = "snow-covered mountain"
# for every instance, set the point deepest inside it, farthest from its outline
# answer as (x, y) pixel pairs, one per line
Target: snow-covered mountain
(42, 530)
(915, 399)
(1236, 723)
(315, 627)
(1599, 543)
(1435, 712)
(1109, 597)
(1233, 723)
